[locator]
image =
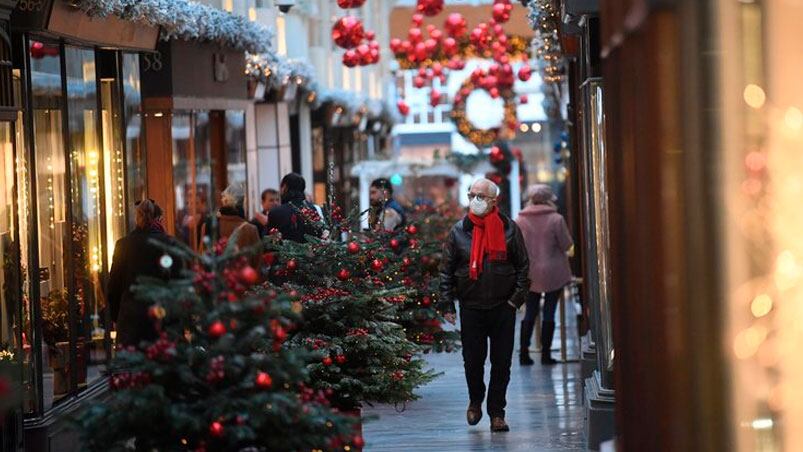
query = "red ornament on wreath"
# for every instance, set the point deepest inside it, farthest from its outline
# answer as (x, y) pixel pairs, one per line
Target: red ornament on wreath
(346, 4)
(348, 32)
(429, 7)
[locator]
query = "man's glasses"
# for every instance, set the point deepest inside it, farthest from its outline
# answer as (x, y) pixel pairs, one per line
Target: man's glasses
(479, 196)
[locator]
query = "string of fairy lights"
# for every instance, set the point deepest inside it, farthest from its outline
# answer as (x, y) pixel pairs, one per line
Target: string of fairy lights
(544, 18)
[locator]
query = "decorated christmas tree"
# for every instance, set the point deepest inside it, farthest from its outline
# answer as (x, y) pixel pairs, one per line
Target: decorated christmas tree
(219, 377)
(350, 300)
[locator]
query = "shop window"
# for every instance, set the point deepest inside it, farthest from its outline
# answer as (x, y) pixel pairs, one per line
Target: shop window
(137, 178)
(235, 148)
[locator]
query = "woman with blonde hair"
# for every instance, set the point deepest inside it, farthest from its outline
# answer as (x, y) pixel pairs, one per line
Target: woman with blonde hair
(231, 218)
(549, 244)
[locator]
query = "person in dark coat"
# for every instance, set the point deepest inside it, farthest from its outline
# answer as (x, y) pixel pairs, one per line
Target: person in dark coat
(288, 218)
(485, 267)
(135, 255)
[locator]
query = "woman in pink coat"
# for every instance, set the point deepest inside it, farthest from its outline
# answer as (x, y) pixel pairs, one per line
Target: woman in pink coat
(548, 244)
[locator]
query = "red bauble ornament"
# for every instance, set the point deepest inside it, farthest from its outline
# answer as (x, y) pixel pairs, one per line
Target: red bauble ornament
(343, 274)
(523, 99)
(264, 380)
(327, 361)
(525, 72)
(426, 301)
(412, 229)
(346, 4)
(216, 429)
(348, 32)
(377, 265)
(455, 25)
(420, 52)
(340, 359)
(501, 13)
(370, 35)
(217, 329)
(449, 46)
(404, 109)
(395, 45)
(418, 19)
(494, 92)
(268, 259)
(429, 7)
(419, 82)
(430, 45)
(353, 247)
(358, 442)
(435, 98)
(496, 155)
(394, 244)
(292, 265)
(406, 261)
(437, 69)
(413, 244)
(248, 275)
(415, 35)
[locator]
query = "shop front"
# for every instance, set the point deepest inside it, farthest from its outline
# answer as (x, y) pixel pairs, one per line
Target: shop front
(195, 130)
(71, 164)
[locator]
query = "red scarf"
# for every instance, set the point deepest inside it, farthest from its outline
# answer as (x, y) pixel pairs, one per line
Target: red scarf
(488, 237)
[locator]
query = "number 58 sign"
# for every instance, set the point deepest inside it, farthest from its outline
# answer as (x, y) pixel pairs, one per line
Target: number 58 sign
(152, 62)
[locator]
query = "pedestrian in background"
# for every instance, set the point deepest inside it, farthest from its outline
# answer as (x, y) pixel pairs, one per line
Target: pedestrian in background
(269, 200)
(231, 218)
(549, 244)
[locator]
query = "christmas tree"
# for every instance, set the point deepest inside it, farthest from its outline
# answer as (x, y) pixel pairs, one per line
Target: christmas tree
(350, 308)
(219, 376)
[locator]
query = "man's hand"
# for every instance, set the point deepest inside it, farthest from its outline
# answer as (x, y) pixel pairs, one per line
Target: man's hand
(449, 317)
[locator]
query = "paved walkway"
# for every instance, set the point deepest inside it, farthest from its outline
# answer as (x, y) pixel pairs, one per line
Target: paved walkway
(545, 412)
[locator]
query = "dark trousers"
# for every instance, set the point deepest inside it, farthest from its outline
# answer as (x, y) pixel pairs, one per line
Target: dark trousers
(477, 326)
(533, 306)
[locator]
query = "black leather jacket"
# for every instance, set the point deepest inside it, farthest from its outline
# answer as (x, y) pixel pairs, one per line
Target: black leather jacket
(499, 282)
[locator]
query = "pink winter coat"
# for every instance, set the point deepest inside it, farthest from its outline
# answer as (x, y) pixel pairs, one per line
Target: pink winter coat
(547, 239)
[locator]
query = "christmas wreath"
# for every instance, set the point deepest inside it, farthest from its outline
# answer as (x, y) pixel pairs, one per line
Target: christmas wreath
(484, 137)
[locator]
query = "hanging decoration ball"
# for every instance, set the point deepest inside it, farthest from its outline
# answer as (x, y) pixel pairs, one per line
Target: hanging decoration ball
(415, 35)
(496, 155)
(430, 7)
(419, 82)
(426, 301)
(418, 19)
(216, 429)
(436, 34)
(370, 35)
(377, 265)
(248, 275)
(449, 46)
(340, 359)
(501, 12)
(412, 229)
(395, 45)
(264, 380)
(395, 244)
(269, 259)
(406, 261)
(525, 72)
(358, 442)
(343, 274)
(455, 25)
(435, 98)
(348, 32)
(217, 329)
(327, 361)
(166, 261)
(292, 265)
(523, 99)
(346, 4)
(404, 109)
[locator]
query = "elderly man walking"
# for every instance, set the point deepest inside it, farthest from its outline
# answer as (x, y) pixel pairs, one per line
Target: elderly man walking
(485, 268)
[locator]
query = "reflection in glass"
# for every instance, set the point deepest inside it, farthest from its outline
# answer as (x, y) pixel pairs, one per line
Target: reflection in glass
(87, 253)
(235, 148)
(113, 165)
(51, 211)
(134, 151)
(10, 308)
(192, 176)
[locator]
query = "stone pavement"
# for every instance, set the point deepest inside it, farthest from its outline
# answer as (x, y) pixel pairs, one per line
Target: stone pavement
(545, 412)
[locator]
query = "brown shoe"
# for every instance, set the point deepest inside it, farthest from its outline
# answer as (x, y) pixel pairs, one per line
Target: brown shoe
(498, 424)
(473, 415)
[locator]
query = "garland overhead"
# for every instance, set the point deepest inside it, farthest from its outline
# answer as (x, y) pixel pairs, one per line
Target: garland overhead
(544, 18)
(186, 20)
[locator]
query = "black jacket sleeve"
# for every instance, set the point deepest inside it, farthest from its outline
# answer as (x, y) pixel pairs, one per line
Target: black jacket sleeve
(521, 262)
(447, 276)
(114, 291)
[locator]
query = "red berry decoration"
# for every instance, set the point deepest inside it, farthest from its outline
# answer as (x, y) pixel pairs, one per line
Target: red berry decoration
(217, 329)
(412, 229)
(340, 359)
(353, 247)
(343, 274)
(377, 265)
(268, 259)
(394, 243)
(292, 265)
(216, 429)
(455, 25)
(248, 275)
(426, 301)
(348, 32)
(346, 4)
(264, 380)
(429, 7)
(327, 361)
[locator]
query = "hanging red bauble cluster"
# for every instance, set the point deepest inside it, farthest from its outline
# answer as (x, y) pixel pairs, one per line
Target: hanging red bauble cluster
(361, 46)
(501, 10)
(346, 4)
(455, 25)
(429, 7)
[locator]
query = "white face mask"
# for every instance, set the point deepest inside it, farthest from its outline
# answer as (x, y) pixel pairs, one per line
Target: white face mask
(478, 207)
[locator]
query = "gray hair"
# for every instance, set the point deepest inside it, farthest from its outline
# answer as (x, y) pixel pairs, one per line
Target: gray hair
(233, 196)
(488, 183)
